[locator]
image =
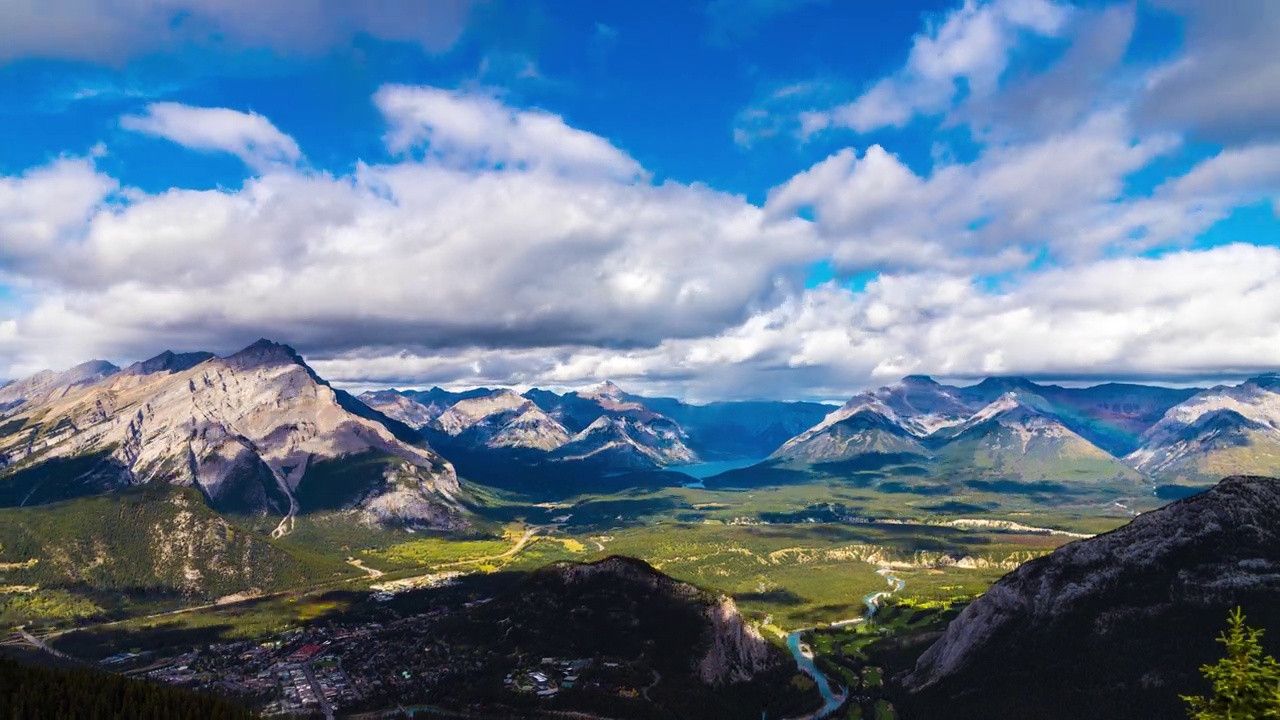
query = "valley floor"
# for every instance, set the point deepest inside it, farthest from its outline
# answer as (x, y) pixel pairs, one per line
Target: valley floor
(792, 557)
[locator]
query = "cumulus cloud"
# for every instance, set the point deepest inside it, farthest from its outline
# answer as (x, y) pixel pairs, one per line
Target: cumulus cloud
(43, 210)
(1172, 317)
(967, 52)
(249, 136)
(502, 245)
(1089, 75)
(534, 247)
(470, 128)
(1014, 201)
(115, 30)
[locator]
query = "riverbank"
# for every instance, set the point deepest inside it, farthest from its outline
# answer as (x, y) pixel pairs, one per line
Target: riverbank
(834, 699)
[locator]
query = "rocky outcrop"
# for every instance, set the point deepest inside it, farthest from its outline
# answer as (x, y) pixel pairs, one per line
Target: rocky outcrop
(1114, 626)
(734, 651)
(738, 651)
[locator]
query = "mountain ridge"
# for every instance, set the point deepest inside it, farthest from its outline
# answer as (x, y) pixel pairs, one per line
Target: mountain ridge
(1130, 615)
(244, 429)
(1116, 430)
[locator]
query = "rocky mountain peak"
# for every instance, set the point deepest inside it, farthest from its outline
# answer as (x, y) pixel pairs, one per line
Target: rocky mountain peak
(398, 406)
(606, 390)
(264, 353)
(90, 370)
(606, 425)
(1003, 404)
(168, 361)
(247, 430)
(47, 383)
(993, 387)
(919, 380)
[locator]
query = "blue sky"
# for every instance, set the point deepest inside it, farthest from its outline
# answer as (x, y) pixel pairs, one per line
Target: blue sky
(789, 198)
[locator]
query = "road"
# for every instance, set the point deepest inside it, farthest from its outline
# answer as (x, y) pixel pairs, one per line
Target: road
(315, 687)
(372, 572)
(524, 540)
(39, 644)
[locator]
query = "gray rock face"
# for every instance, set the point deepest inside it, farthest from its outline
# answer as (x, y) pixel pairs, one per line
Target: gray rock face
(1114, 626)
(723, 430)
(502, 419)
(1018, 434)
(624, 442)
(866, 430)
(400, 407)
(244, 429)
(738, 651)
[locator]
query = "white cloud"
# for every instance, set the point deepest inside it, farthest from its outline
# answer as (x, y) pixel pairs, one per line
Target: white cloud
(1187, 314)
(471, 128)
(538, 246)
(45, 208)
(966, 53)
(503, 246)
(114, 30)
(1087, 76)
(249, 136)
(1009, 204)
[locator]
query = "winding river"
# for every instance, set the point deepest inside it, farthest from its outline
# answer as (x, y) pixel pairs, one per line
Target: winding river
(833, 698)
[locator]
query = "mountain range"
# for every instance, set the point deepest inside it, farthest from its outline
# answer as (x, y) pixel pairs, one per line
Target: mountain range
(1014, 428)
(259, 432)
(604, 427)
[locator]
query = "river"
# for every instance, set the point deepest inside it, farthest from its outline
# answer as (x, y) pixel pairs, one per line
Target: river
(872, 600)
(833, 698)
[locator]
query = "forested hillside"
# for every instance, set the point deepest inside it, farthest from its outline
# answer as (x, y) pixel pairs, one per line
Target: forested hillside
(35, 693)
(154, 541)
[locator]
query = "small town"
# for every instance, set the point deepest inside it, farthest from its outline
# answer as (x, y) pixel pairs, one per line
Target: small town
(317, 669)
(372, 666)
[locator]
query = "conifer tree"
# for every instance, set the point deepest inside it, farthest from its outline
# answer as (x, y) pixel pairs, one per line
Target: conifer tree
(1246, 683)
